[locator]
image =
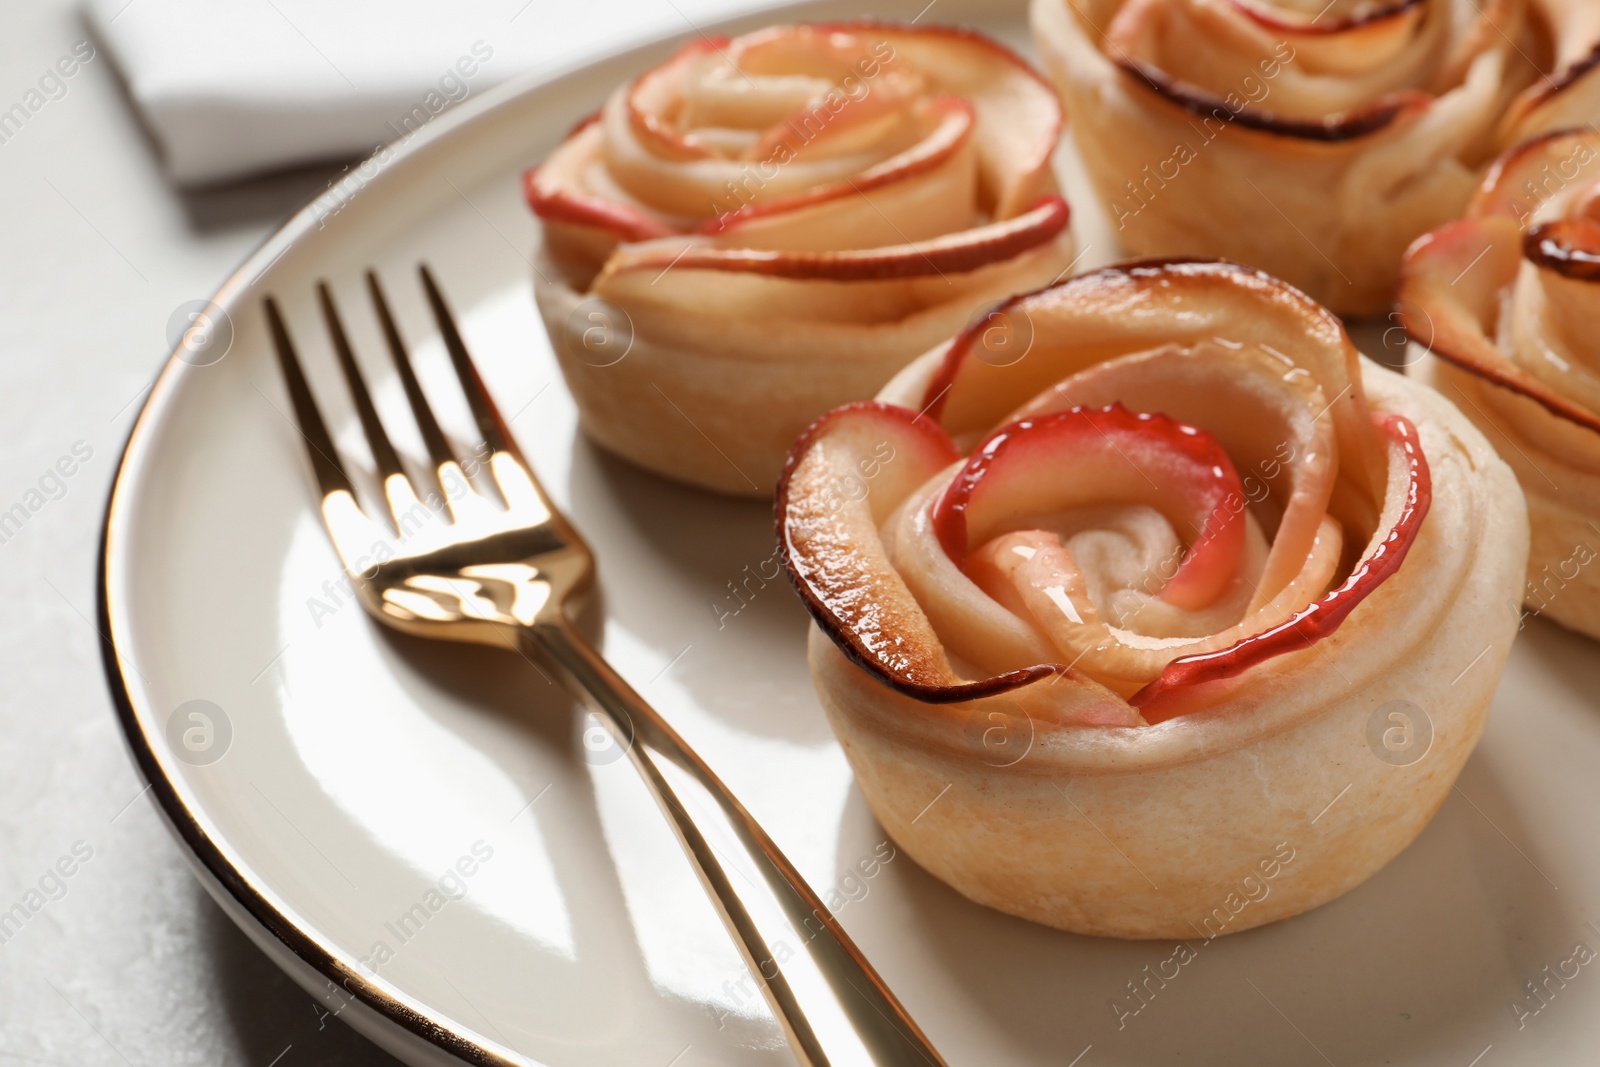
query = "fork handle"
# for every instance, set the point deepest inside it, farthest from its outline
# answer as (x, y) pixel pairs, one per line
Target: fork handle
(832, 1005)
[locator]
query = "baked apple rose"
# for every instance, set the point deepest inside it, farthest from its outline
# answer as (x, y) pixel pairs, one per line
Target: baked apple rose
(1136, 605)
(1504, 310)
(1314, 139)
(763, 228)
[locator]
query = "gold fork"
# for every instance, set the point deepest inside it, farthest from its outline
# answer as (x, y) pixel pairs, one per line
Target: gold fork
(461, 568)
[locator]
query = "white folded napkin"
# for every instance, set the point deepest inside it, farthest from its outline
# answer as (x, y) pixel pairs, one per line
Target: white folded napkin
(232, 87)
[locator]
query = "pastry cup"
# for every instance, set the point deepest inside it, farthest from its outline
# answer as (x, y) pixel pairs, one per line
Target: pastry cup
(1315, 146)
(764, 228)
(1501, 307)
(1238, 785)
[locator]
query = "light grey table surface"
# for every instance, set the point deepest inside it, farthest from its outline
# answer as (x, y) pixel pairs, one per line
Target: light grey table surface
(133, 964)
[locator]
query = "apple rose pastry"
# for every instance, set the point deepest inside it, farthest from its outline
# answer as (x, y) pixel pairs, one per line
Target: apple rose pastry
(1504, 310)
(1314, 139)
(763, 228)
(1181, 622)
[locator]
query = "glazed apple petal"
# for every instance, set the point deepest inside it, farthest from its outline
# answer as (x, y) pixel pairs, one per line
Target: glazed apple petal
(1019, 113)
(705, 185)
(778, 116)
(658, 271)
(1569, 96)
(1144, 305)
(650, 101)
(976, 628)
(843, 311)
(1405, 506)
(829, 123)
(1533, 180)
(1554, 316)
(1349, 41)
(844, 476)
(573, 187)
(1267, 412)
(1058, 463)
(918, 194)
(1037, 578)
(1451, 302)
(1126, 546)
(1337, 76)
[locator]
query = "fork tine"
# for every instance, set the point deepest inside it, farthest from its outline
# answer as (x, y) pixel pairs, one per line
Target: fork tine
(433, 437)
(491, 426)
(383, 452)
(330, 476)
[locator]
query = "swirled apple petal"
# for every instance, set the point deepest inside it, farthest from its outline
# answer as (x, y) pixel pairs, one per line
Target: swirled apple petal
(1019, 113)
(1143, 304)
(954, 253)
(836, 489)
(572, 187)
(1450, 301)
(1093, 456)
(1404, 515)
(1569, 93)
(1333, 79)
(920, 193)
(1265, 409)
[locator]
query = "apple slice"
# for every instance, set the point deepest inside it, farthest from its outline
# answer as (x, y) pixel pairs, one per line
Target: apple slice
(840, 215)
(1332, 81)
(844, 476)
(1142, 304)
(559, 190)
(657, 93)
(1567, 96)
(1389, 110)
(1019, 116)
(1531, 175)
(1083, 457)
(1348, 44)
(1453, 310)
(861, 89)
(1409, 468)
(951, 254)
(1570, 247)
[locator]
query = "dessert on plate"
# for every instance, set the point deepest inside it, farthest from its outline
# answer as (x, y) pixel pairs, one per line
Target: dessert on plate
(1181, 619)
(1313, 139)
(1503, 308)
(765, 227)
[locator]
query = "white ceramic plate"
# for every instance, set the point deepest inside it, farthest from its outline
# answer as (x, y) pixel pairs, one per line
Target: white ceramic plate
(348, 771)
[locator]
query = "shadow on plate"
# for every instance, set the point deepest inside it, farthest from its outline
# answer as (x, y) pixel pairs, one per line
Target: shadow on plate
(1567, 655)
(1414, 966)
(728, 601)
(700, 531)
